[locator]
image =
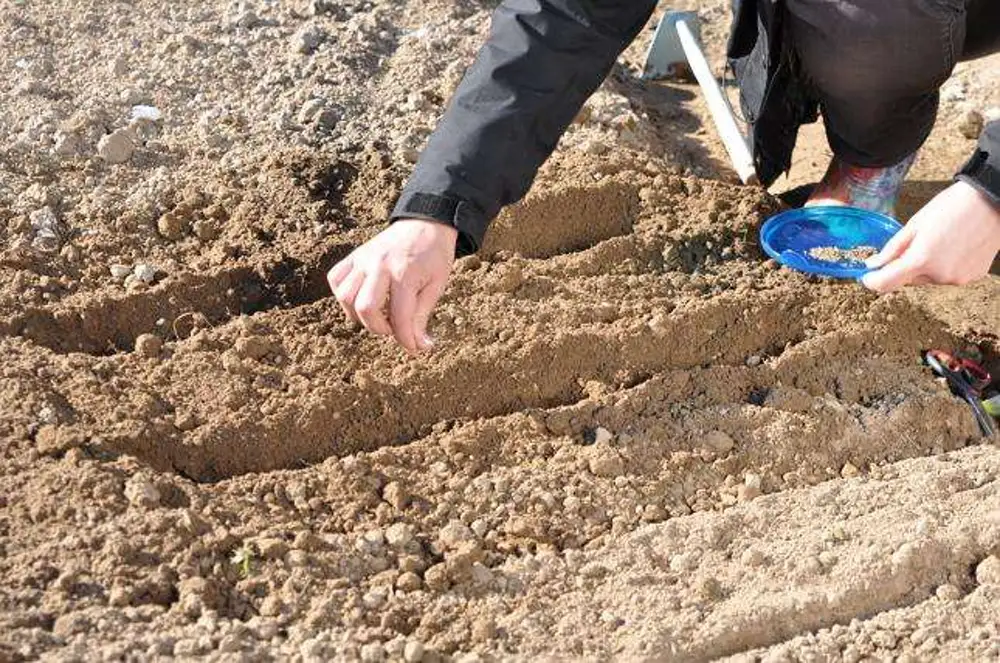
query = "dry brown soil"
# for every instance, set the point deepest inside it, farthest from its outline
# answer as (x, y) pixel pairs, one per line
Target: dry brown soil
(637, 440)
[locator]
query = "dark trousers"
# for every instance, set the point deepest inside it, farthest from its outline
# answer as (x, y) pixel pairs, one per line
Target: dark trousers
(876, 65)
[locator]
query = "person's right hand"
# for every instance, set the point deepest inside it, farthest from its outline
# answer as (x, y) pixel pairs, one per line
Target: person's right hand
(403, 271)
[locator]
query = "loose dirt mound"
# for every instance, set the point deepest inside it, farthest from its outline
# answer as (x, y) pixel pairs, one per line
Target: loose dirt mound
(638, 438)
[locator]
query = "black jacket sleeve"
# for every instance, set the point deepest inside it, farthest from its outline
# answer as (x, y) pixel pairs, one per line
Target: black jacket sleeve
(983, 169)
(542, 60)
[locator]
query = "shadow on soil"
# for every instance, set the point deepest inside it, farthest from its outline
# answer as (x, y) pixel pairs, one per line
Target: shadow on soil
(110, 325)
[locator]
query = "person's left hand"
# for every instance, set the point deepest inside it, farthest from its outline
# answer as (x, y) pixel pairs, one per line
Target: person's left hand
(952, 240)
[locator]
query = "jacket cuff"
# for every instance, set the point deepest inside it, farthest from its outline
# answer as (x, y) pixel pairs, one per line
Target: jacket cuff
(470, 223)
(983, 169)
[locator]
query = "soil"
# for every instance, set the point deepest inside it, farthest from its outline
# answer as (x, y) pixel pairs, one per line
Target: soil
(637, 438)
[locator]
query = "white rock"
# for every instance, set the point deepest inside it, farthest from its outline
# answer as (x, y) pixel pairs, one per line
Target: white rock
(751, 488)
(44, 220)
(144, 112)
(420, 33)
(307, 40)
(144, 273)
(480, 527)
(119, 272)
(45, 226)
(953, 91)
(399, 535)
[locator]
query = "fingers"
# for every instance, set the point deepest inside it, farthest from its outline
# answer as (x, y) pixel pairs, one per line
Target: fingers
(344, 284)
(391, 283)
(894, 248)
(895, 275)
(347, 291)
(364, 299)
(410, 313)
(426, 300)
(370, 303)
(402, 305)
(338, 272)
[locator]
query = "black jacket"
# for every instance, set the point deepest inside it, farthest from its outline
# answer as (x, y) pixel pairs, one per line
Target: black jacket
(544, 58)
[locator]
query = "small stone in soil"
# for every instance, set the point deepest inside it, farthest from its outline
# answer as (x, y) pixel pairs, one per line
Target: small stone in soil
(972, 124)
(834, 254)
(67, 144)
(205, 230)
(119, 272)
(372, 652)
(310, 110)
(752, 557)
(409, 582)
(145, 273)
(139, 491)
(396, 495)
(148, 345)
(145, 112)
(751, 489)
(248, 20)
(307, 40)
(605, 462)
(602, 435)
(454, 534)
(988, 571)
(170, 226)
(413, 652)
(436, 578)
(116, 147)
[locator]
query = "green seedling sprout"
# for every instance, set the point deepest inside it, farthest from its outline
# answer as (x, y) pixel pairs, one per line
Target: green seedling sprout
(242, 557)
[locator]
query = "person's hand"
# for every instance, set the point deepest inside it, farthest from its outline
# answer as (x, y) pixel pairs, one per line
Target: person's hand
(952, 240)
(403, 271)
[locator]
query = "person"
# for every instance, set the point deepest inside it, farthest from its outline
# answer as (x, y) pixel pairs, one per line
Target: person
(872, 68)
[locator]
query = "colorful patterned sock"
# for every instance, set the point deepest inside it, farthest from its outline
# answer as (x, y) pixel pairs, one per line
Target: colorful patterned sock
(875, 189)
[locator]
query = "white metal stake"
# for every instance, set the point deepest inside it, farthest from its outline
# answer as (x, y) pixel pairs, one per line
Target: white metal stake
(718, 106)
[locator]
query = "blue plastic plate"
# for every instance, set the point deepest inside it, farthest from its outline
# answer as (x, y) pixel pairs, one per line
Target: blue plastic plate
(788, 237)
